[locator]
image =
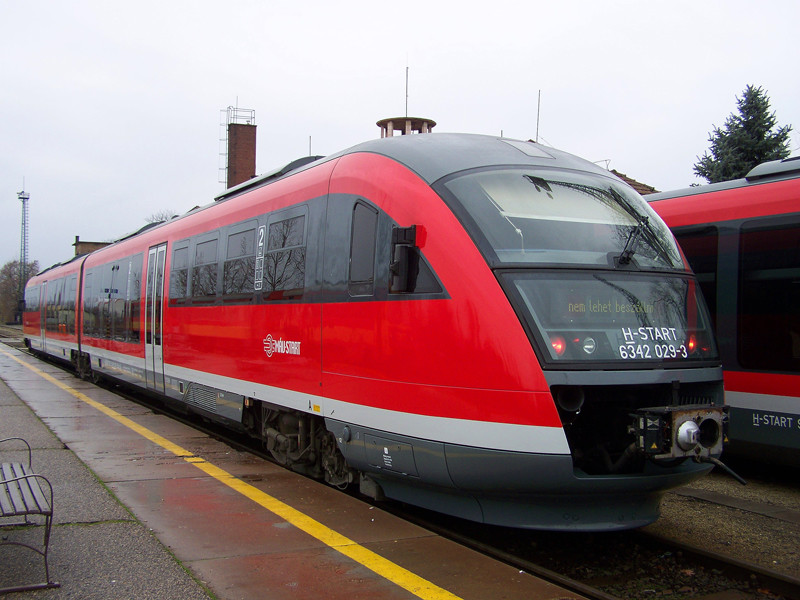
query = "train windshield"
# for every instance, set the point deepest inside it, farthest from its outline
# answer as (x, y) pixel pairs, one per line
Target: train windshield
(610, 316)
(564, 217)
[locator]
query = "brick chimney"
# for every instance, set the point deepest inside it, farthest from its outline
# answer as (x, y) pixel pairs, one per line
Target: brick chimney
(241, 153)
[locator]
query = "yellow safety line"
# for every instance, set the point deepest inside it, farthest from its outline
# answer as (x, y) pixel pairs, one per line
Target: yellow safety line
(415, 584)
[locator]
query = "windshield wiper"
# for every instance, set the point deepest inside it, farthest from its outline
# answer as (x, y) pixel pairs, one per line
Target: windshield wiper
(633, 240)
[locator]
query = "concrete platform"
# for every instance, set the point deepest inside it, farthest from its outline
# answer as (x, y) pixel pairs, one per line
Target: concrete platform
(146, 507)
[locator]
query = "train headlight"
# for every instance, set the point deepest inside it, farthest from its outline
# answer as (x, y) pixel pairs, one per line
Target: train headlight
(569, 398)
(559, 344)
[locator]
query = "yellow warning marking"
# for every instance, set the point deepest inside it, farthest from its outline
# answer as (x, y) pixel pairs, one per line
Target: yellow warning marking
(415, 584)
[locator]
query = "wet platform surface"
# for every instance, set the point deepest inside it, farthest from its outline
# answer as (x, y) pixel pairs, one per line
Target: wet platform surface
(198, 519)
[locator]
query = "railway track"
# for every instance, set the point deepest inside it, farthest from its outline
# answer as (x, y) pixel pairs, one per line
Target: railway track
(607, 566)
(630, 564)
(10, 331)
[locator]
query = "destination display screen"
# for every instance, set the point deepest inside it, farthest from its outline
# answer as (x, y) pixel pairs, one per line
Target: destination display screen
(607, 316)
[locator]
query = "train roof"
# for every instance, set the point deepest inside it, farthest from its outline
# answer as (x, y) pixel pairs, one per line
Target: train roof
(432, 156)
(768, 172)
(60, 264)
(436, 155)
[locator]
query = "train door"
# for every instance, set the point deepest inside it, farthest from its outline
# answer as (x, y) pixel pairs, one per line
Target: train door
(153, 349)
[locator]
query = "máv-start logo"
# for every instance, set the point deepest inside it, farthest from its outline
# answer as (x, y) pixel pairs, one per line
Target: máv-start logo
(280, 346)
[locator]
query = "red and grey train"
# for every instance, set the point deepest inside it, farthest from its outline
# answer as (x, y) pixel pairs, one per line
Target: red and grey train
(742, 238)
(485, 327)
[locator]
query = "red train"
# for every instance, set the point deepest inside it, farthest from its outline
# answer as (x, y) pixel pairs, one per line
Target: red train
(481, 326)
(742, 239)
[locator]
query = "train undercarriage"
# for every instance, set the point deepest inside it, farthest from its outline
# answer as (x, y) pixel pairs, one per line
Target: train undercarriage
(298, 441)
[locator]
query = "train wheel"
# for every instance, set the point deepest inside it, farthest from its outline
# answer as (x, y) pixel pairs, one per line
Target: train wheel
(337, 471)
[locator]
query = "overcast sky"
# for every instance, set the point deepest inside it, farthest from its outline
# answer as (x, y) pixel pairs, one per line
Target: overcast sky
(110, 111)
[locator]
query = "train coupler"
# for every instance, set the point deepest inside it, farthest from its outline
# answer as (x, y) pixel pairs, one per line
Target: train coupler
(669, 432)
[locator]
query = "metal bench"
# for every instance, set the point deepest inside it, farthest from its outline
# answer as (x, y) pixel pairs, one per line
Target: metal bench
(24, 493)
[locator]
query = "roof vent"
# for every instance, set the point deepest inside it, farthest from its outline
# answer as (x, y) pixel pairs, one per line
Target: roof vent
(788, 167)
(405, 126)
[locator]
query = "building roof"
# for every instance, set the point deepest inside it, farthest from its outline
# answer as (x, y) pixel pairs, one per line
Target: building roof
(642, 188)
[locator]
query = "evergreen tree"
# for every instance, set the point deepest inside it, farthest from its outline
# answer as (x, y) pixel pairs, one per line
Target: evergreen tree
(747, 140)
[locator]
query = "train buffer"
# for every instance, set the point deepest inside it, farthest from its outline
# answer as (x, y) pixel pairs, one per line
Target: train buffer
(25, 494)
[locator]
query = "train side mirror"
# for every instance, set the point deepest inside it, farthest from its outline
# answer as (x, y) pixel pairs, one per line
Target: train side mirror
(405, 260)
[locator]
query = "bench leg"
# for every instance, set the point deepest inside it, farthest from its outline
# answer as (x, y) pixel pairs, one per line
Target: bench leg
(47, 584)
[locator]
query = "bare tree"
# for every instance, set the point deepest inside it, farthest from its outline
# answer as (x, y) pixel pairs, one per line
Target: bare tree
(161, 216)
(10, 286)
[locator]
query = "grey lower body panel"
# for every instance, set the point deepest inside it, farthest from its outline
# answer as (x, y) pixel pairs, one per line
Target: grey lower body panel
(537, 491)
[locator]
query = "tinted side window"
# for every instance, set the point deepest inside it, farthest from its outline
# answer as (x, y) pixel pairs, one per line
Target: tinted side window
(111, 300)
(102, 306)
(362, 251)
(204, 271)
(238, 274)
(88, 301)
(133, 323)
(769, 296)
(32, 299)
(55, 291)
(118, 301)
(700, 247)
(179, 273)
(285, 259)
(125, 299)
(69, 303)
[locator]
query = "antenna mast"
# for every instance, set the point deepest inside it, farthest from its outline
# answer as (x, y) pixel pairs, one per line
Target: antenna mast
(23, 254)
(406, 90)
(538, 110)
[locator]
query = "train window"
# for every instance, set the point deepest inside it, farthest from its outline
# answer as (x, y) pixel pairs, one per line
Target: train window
(32, 299)
(111, 300)
(769, 296)
(125, 299)
(101, 307)
(101, 295)
(133, 322)
(54, 314)
(88, 302)
(238, 274)
(700, 245)
(60, 317)
(204, 271)
(362, 250)
(426, 282)
(179, 273)
(48, 305)
(285, 259)
(69, 303)
(560, 217)
(95, 304)
(118, 300)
